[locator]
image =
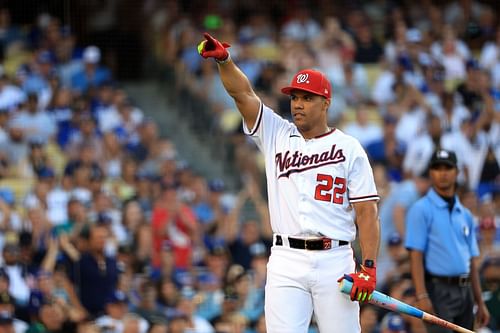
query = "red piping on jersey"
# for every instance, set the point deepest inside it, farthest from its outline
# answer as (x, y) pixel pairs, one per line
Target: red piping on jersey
(325, 134)
(259, 119)
(374, 196)
(289, 172)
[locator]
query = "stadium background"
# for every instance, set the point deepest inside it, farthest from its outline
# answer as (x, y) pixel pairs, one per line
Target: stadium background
(146, 163)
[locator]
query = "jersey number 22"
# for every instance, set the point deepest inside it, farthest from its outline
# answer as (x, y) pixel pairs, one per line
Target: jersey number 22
(324, 188)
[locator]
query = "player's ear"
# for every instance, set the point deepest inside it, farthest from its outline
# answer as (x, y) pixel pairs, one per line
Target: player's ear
(326, 102)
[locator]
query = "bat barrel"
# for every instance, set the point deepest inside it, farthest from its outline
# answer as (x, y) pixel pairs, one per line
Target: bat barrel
(395, 305)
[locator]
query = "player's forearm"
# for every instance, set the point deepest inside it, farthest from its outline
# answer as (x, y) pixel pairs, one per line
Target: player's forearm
(369, 230)
(239, 88)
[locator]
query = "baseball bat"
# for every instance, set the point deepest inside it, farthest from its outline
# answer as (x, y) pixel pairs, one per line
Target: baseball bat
(393, 304)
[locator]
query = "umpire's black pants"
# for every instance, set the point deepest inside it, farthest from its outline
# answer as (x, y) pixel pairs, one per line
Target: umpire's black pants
(451, 302)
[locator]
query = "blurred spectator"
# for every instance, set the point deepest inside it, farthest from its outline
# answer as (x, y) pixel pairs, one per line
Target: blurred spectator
(419, 151)
(210, 290)
(393, 259)
(38, 79)
(7, 313)
(11, 32)
(92, 74)
(389, 150)
(178, 323)
(490, 277)
(34, 122)
(85, 136)
(175, 222)
(51, 318)
(362, 128)
(16, 275)
(138, 232)
(95, 275)
(250, 297)
(452, 53)
(187, 306)
(368, 49)
(116, 310)
(451, 113)
(148, 308)
(11, 96)
(472, 146)
(392, 323)
(488, 232)
(301, 26)
(168, 295)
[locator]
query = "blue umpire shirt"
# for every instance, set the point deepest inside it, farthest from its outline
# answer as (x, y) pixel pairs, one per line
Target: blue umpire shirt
(447, 239)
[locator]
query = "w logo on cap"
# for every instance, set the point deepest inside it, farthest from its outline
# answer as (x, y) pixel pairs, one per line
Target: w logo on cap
(301, 78)
(310, 80)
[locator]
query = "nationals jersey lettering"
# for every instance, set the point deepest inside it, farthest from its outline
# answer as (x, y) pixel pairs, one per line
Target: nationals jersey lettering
(311, 183)
(291, 163)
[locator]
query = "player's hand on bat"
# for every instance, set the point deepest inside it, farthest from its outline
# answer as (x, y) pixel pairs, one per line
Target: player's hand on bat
(363, 283)
(212, 48)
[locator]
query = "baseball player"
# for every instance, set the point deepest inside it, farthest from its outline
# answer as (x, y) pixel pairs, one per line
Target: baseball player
(319, 182)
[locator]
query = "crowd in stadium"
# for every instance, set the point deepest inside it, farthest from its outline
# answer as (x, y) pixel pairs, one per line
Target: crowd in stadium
(104, 227)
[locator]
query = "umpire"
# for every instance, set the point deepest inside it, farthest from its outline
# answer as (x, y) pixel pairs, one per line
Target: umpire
(443, 250)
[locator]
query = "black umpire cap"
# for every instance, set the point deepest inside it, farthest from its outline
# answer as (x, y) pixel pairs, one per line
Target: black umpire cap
(443, 157)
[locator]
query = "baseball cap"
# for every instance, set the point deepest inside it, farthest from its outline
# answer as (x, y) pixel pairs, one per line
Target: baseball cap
(413, 35)
(312, 81)
(116, 297)
(187, 292)
(92, 54)
(394, 323)
(443, 156)
(44, 57)
(258, 250)
(394, 239)
(472, 64)
(216, 185)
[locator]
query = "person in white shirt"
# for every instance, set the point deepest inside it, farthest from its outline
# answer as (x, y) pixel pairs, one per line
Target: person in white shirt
(362, 128)
(420, 149)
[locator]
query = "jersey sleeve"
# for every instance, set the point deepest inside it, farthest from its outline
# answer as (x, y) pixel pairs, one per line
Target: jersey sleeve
(267, 128)
(417, 226)
(361, 184)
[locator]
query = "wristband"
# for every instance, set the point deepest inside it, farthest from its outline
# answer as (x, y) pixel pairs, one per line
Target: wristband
(225, 61)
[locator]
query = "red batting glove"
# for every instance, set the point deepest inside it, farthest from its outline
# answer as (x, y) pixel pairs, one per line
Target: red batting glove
(363, 283)
(212, 48)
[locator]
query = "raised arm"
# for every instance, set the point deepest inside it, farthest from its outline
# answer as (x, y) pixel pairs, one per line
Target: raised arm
(234, 80)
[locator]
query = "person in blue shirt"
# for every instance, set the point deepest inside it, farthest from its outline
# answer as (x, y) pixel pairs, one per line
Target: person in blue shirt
(444, 251)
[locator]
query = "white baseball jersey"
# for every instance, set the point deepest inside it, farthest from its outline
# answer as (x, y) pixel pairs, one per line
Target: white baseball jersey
(312, 182)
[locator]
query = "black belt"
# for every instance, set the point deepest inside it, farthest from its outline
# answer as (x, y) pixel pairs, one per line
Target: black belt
(459, 280)
(322, 243)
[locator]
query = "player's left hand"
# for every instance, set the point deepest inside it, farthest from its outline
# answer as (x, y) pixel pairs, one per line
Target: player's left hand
(363, 283)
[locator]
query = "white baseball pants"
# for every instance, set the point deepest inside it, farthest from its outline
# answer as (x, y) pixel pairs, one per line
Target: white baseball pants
(303, 282)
